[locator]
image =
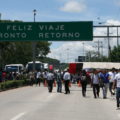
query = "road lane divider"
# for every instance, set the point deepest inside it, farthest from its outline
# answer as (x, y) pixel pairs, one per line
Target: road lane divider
(18, 116)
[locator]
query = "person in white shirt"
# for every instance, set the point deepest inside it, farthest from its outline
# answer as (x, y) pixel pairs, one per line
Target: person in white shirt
(117, 83)
(45, 77)
(95, 84)
(50, 80)
(111, 80)
(38, 77)
(66, 78)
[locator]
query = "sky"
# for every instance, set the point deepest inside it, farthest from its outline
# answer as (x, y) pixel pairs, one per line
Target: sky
(105, 11)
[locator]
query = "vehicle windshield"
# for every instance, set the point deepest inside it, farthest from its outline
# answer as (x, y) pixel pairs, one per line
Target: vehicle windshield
(38, 66)
(11, 68)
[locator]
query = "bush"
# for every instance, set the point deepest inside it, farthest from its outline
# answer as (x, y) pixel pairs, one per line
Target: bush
(13, 84)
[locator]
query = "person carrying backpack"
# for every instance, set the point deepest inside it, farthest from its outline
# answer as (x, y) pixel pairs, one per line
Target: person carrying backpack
(83, 81)
(95, 81)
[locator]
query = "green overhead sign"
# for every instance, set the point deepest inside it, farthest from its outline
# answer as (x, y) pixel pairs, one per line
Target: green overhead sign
(46, 31)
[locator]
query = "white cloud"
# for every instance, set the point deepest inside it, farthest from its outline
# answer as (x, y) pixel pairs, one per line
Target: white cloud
(73, 6)
(76, 48)
(69, 50)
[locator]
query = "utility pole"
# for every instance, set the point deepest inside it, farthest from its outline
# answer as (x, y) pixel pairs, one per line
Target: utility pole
(68, 55)
(0, 16)
(117, 38)
(60, 62)
(109, 48)
(34, 44)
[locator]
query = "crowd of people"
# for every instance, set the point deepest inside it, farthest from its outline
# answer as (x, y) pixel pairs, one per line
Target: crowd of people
(105, 79)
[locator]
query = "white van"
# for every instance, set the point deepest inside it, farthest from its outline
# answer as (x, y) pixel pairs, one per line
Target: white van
(14, 68)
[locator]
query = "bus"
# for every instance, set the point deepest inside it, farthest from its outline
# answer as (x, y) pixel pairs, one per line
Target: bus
(38, 66)
(18, 68)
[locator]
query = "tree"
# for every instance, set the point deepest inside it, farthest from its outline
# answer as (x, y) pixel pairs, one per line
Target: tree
(115, 54)
(21, 52)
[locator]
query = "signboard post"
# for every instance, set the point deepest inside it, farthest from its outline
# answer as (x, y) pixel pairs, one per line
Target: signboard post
(46, 31)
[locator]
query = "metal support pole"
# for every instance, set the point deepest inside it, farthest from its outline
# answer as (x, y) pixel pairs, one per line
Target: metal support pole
(117, 38)
(108, 42)
(34, 45)
(83, 48)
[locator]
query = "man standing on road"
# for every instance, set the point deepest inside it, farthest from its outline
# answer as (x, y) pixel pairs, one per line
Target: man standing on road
(59, 81)
(104, 78)
(117, 84)
(50, 79)
(83, 81)
(38, 77)
(112, 74)
(66, 78)
(95, 84)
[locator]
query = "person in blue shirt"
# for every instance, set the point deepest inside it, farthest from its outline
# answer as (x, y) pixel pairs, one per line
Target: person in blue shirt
(104, 77)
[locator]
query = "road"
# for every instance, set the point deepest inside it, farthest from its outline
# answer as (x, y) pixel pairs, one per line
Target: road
(35, 103)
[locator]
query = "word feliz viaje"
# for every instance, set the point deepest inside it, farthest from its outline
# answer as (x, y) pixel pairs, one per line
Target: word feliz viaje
(41, 31)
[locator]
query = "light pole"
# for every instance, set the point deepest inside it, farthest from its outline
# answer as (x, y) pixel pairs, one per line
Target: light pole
(68, 55)
(0, 16)
(117, 38)
(34, 44)
(83, 48)
(84, 56)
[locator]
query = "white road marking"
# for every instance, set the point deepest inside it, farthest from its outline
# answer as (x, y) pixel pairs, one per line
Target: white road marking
(18, 116)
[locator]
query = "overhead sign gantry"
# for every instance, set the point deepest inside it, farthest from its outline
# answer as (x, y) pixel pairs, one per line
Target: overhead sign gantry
(46, 31)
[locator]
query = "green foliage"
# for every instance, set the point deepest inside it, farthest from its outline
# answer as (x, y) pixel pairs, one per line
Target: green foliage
(21, 52)
(50, 61)
(13, 84)
(115, 54)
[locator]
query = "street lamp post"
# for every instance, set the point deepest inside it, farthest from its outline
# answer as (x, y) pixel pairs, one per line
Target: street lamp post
(34, 44)
(68, 55)
(0, 16)
(117, 38)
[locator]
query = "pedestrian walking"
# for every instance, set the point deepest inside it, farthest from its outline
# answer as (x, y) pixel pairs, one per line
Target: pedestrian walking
(45, 78)
(95, 83)
(32, 78)
(67, 78)
(50, 80)
(116, 84)
(105, 80)
(83, 81)
(59, 82)
(111, 77)
(39, 77)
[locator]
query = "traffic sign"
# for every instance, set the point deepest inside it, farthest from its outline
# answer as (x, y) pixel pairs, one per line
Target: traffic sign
(46, 31)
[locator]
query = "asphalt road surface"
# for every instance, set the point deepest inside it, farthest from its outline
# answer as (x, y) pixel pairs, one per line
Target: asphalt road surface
(35, 103)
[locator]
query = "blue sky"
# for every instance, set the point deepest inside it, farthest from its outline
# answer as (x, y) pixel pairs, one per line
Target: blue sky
(62, 10)
(50, 10)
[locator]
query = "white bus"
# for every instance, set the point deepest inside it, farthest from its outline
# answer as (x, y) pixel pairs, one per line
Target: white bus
(38, 66)
(18, 68)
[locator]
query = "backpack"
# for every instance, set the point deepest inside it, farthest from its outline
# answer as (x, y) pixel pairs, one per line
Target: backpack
(83, 78)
